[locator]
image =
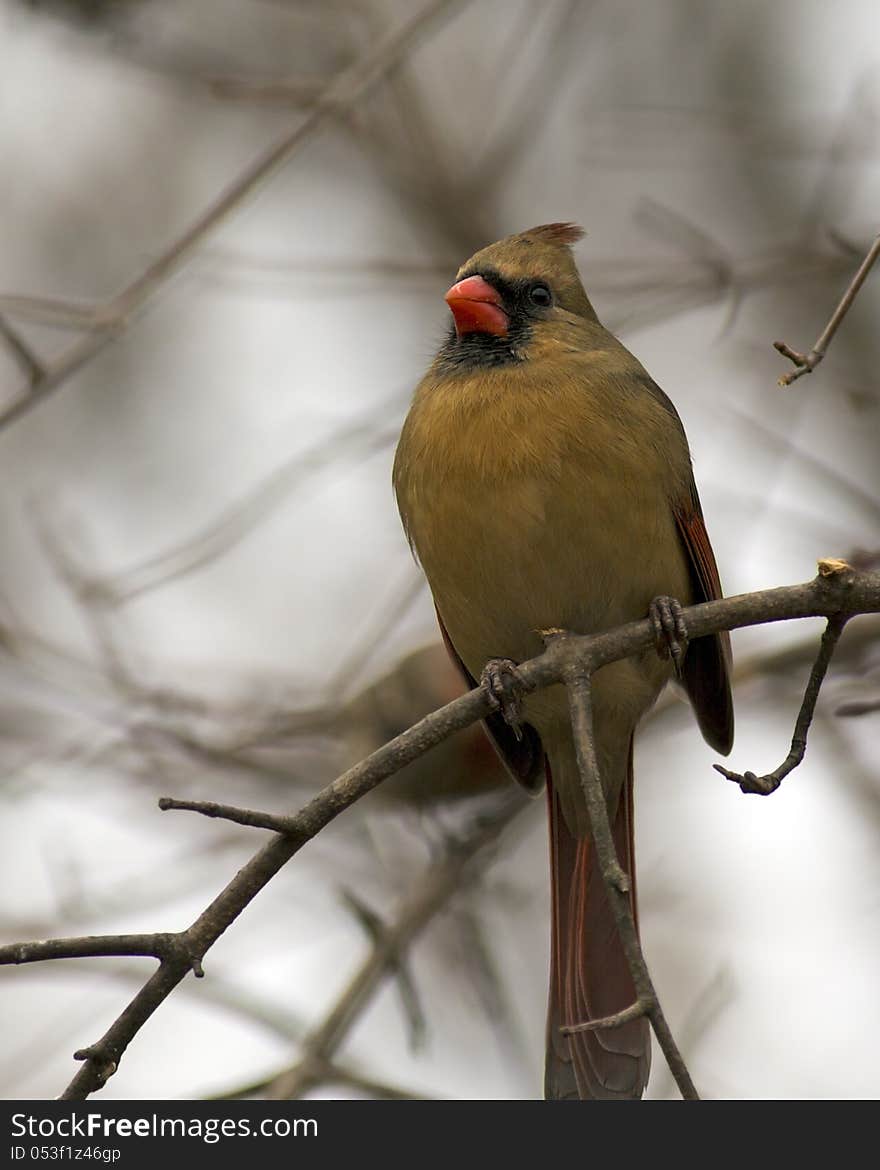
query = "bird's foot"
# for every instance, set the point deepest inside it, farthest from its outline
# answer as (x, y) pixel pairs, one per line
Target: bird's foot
(504, 683)
(670, 630)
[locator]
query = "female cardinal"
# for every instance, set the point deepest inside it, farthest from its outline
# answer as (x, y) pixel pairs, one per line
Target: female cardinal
(544, 482)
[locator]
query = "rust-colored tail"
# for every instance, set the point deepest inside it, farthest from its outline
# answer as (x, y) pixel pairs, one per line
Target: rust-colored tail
(589, 976)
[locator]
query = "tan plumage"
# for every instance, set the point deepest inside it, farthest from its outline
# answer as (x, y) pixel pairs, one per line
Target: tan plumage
(545, 481)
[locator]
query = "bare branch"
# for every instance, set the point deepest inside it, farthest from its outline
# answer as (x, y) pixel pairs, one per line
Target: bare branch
(376, 929)
(330, 1074)
(635, 1011)
(60, 314)
(805, 363)
(156, 946)
(289, 92)
(838, 590)
(764, 785)
(21, 352)
(853, 709)
(250, 818)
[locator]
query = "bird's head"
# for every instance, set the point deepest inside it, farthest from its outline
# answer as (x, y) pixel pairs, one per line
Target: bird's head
(513, 292)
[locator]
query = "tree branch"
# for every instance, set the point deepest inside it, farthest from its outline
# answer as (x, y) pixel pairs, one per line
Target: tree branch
(156, 946)
(805, 363)
(839, 590)
(21, 352)
(764, 785)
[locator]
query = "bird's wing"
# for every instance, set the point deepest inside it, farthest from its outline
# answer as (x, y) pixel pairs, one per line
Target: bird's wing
(706, 671)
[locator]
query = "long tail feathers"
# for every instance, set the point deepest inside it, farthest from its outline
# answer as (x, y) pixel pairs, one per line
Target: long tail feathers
(589, 976)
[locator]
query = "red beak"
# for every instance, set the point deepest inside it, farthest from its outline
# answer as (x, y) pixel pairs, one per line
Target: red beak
(476, 307)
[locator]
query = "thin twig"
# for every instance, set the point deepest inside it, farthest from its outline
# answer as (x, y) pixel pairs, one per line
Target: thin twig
(250, 818)
(95, 615)
(155, 946)
(60, 314)
(855, 708)
(290, 92)
(21, 352)
(805, 363)
(349, 87)
(764, 785)
(331, 1074)
(376, 929)
(635, 1011)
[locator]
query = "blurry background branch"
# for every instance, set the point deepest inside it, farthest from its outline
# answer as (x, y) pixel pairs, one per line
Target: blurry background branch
(106, 320)
(204, 584)
(444, 877)
(805, 363)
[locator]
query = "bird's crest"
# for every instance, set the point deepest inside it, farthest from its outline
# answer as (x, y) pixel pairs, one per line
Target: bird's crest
(556, 233)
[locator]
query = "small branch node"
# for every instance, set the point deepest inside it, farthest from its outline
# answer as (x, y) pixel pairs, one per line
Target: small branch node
(749, 782)
(799, 359)
(552, 635)
(834, 567)
(177, 949)
(618, 878)
(103, 1062)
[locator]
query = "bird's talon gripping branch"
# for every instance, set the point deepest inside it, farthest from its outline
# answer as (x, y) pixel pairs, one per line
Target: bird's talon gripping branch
(502, 679)
(670, 631)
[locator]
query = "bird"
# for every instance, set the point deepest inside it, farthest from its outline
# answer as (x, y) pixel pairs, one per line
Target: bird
(544, 482)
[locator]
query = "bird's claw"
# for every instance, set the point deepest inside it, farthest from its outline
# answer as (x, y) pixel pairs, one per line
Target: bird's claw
(670, 630)
(503, 682)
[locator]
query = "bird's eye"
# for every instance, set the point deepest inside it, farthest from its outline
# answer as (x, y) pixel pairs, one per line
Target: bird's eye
(540, 295)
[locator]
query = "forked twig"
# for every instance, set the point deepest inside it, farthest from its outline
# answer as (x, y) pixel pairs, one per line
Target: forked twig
(23, 355)
(805, 363)
(764, 785)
